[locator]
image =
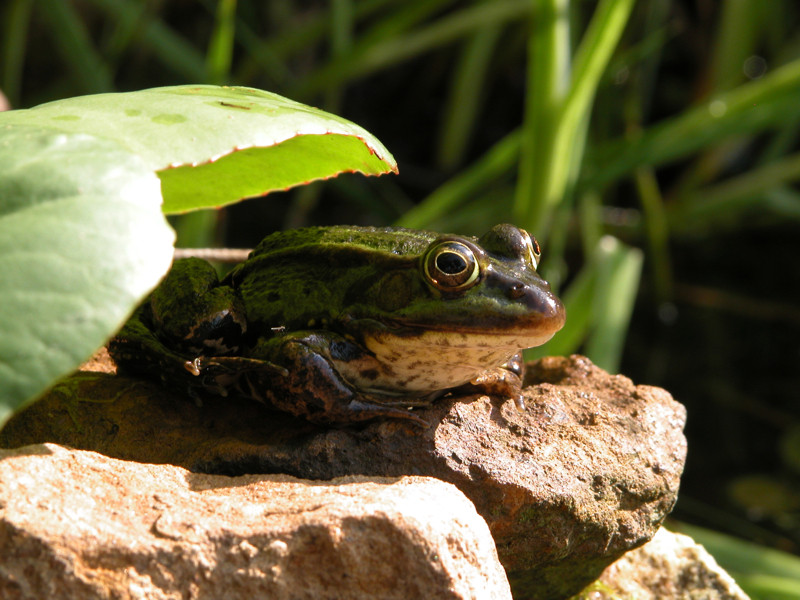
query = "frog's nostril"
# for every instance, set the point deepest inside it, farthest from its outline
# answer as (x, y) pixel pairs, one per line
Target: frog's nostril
(517, 291)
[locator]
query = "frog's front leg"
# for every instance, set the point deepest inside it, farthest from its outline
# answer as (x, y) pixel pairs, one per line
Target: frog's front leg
(310, 385)
(504, 381)
(189, 315)
(137, 350)
(194, 314)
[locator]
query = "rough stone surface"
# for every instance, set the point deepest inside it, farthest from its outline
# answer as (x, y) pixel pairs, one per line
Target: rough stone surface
(671, 566)
(586, 473)
(76, 524)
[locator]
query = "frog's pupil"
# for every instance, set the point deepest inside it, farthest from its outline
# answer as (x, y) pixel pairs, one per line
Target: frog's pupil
(450, 263)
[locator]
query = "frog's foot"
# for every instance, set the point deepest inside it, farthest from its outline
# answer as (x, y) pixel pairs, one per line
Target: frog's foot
(222, 375)
(501, 382)
(137, 351)
(369, 410)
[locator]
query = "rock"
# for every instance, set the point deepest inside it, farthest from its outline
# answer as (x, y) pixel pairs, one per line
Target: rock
(76, 524)
(671, 566)
(586, 473)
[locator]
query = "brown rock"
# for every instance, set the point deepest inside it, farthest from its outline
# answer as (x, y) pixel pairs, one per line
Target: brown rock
(586, 473)
(77, 524)
(671, 566)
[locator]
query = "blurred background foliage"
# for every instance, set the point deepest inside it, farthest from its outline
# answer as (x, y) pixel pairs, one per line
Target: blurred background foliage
(651, 146)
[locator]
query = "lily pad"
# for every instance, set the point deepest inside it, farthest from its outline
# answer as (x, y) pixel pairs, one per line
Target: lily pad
(214, 145)
(82, 239)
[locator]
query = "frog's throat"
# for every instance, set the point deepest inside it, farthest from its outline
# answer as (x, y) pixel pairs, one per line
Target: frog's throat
(434, 360)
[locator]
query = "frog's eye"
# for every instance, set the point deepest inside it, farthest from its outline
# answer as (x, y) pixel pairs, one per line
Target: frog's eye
(451, 266)
(534, 251)
(508, 241)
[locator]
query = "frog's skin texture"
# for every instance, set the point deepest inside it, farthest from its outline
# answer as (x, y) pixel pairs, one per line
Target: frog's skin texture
(345, 324)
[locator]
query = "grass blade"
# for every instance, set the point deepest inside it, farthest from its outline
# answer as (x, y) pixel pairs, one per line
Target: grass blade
(220, 47)
(748, 108)
(657, 227)
(496, 162)
(172, 49)
(464, 100)
(555, 113)
(730, 198)
(614, 298)
(366, 59)
(16, 19)
(548, 79)
(72, 38)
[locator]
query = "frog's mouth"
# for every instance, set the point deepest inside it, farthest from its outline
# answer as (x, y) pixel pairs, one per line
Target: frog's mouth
(498, 329)
(504, 341)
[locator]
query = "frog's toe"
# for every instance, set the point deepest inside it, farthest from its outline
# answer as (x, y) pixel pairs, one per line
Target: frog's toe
(364, 411)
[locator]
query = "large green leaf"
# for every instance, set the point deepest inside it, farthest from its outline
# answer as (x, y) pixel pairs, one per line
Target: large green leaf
(214, 145)
(82, 239)
(82, 234)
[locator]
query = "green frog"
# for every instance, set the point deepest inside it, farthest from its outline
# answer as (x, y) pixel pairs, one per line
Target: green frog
(344, 324)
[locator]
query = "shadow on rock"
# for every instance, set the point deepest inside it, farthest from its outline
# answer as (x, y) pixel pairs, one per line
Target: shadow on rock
(585, 473)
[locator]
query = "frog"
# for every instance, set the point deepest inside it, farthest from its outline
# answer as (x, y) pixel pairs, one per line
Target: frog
(345, 324)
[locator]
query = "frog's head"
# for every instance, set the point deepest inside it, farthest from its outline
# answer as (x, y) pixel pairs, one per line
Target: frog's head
(483, 290)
